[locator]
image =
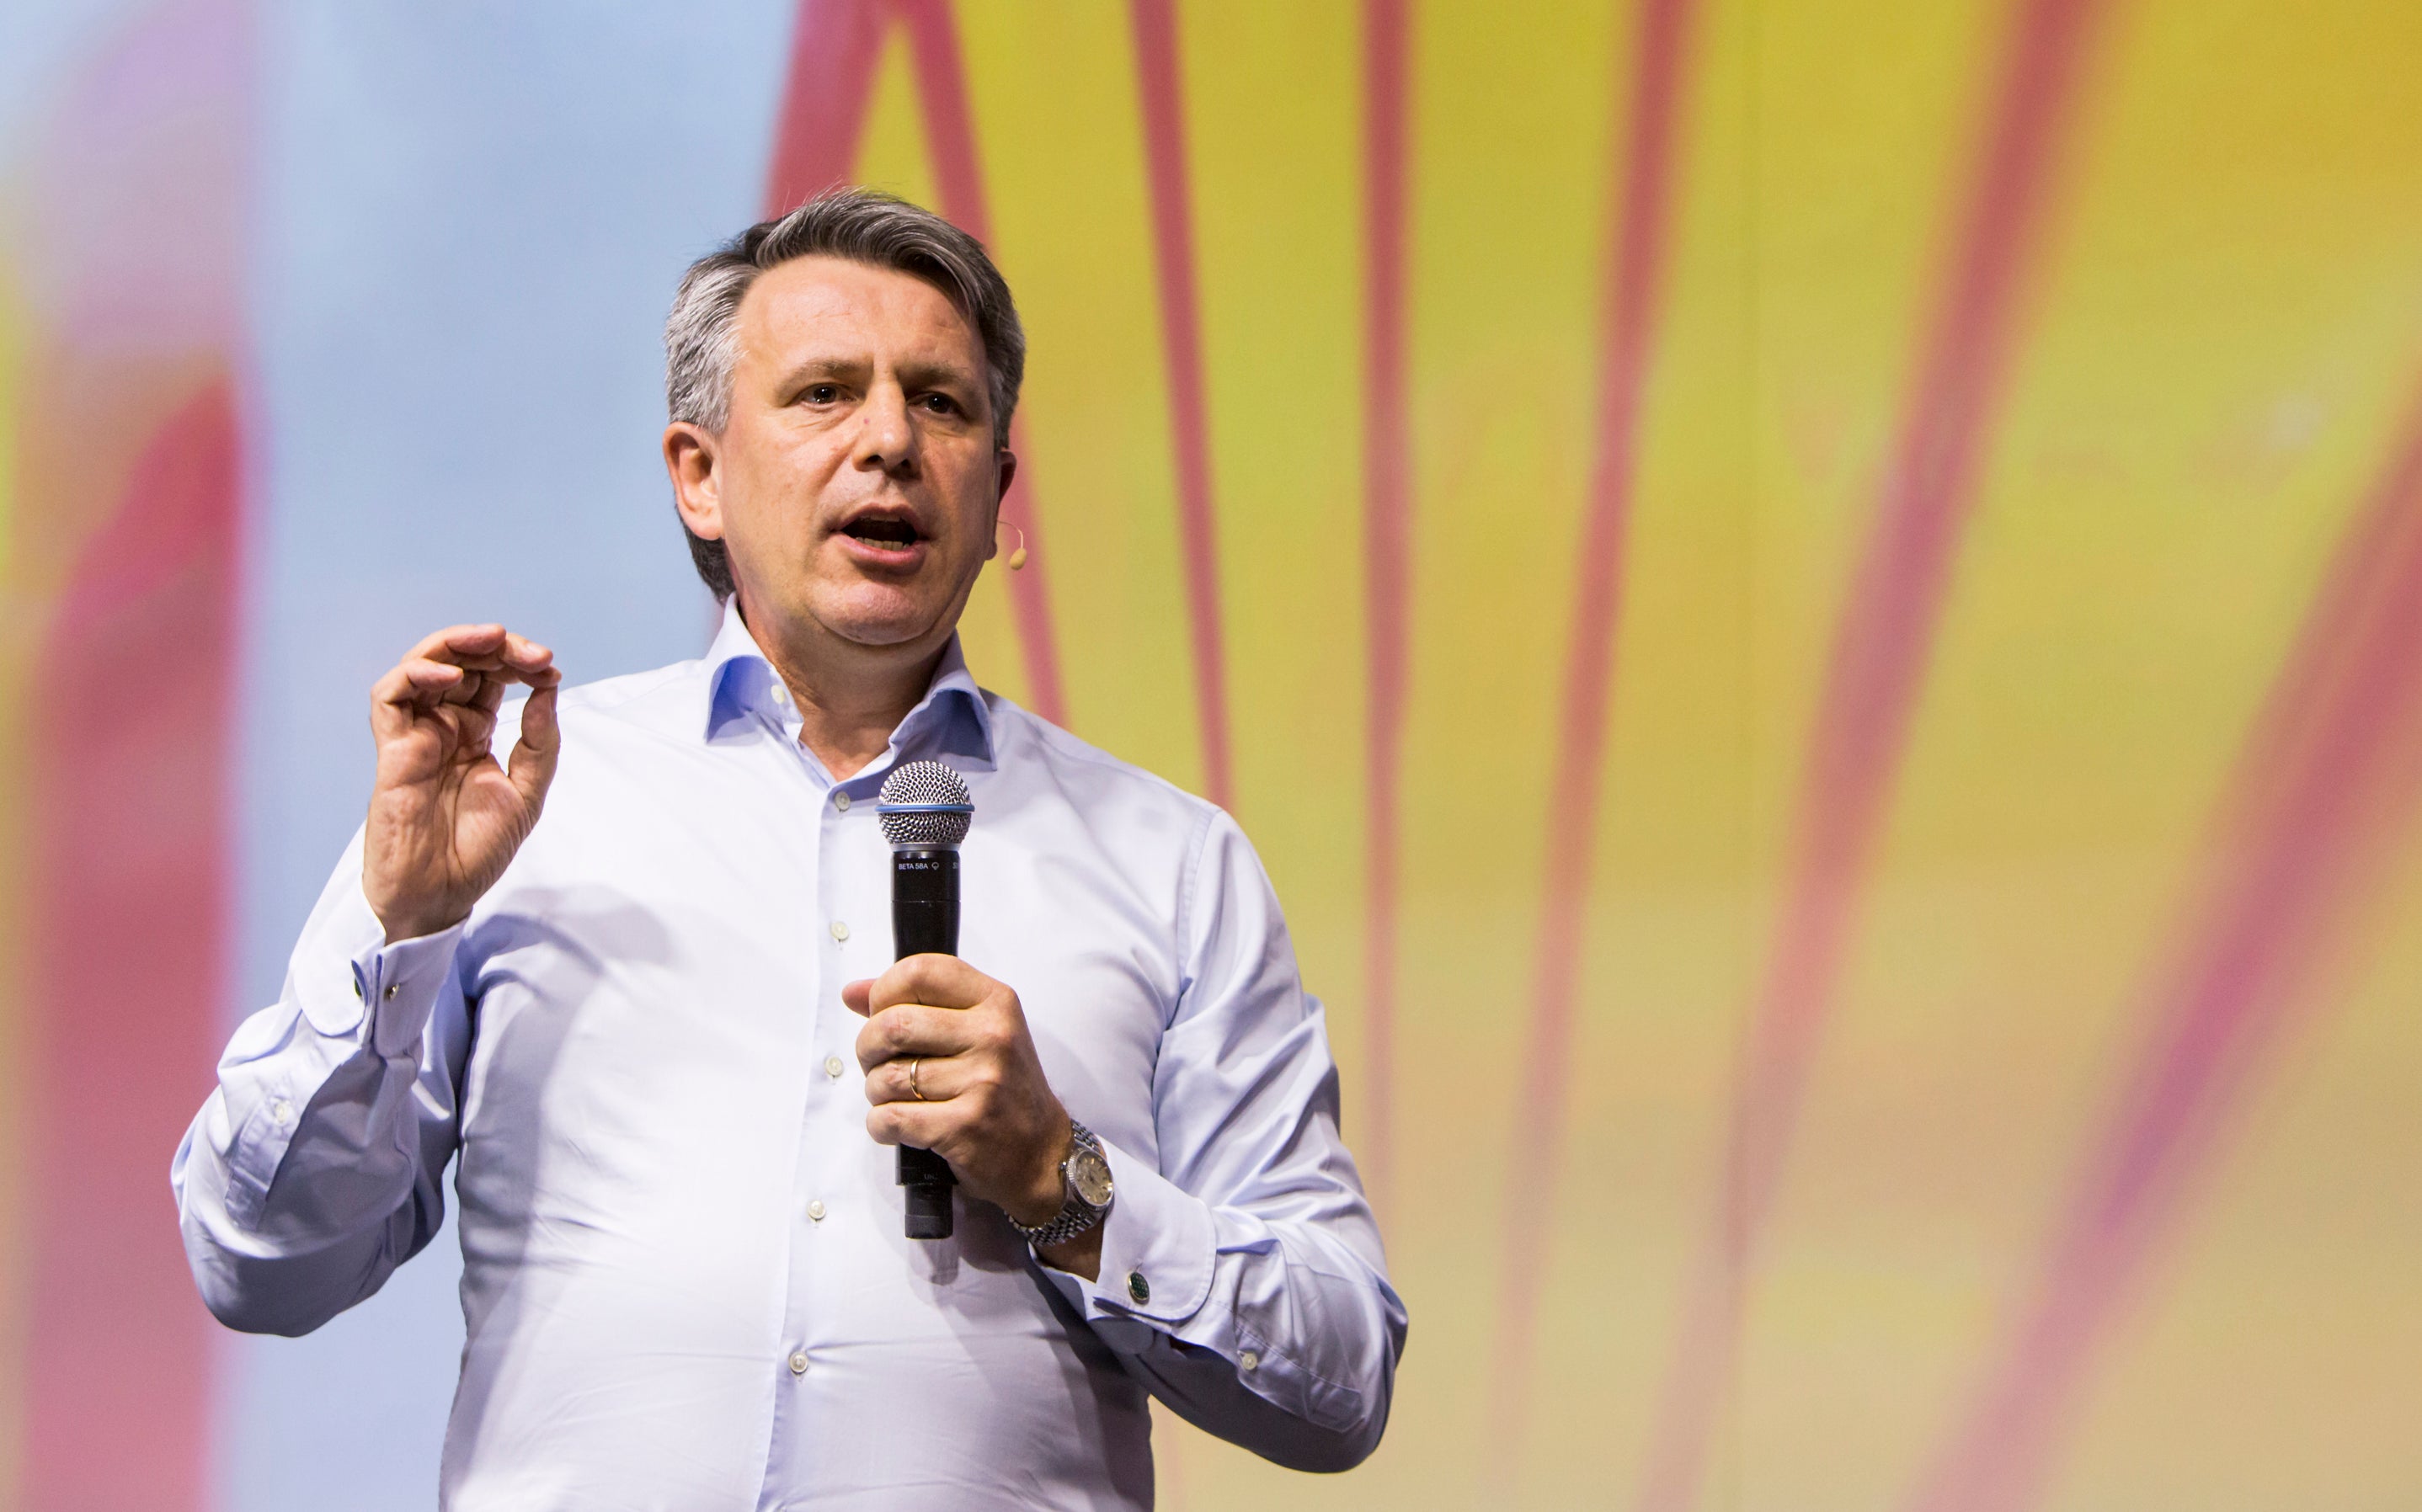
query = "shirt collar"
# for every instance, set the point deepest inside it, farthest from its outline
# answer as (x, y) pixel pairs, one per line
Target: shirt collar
(951, 721)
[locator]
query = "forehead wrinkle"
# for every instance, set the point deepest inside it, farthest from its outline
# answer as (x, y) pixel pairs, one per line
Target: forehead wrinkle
(845, 315)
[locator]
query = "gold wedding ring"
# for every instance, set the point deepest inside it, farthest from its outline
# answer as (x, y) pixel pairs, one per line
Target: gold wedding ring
(914, 1090)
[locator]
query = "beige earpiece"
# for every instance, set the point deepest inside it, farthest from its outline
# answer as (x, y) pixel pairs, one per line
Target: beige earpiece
(1017, 556)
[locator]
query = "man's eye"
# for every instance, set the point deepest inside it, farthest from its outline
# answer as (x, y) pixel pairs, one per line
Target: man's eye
(939, 403)
(821, 393)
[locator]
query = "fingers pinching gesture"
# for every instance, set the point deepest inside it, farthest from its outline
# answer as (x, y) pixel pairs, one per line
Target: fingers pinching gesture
(444, 816)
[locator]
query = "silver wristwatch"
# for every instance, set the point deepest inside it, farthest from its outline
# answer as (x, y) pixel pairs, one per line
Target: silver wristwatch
(1085, 1176)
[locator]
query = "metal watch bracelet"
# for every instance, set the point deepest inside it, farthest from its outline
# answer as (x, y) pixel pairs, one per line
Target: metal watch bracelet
(1077, 1213)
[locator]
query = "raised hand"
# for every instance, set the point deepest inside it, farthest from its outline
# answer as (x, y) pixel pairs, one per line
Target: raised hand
(445, 817)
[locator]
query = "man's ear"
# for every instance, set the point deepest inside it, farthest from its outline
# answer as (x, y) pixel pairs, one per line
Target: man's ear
(1006, 466)
(691, 460)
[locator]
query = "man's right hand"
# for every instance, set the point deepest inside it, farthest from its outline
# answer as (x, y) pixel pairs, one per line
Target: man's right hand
(445, 818)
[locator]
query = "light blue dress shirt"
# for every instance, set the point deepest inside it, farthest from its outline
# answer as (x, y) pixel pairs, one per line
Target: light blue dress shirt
(685, 1280)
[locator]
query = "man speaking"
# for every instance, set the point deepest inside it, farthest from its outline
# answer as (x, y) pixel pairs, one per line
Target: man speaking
(657, 1028)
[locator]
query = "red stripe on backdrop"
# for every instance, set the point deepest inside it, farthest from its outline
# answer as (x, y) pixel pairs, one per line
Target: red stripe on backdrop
(129, 829)
(834, 45)
(1880, 656)
(2327, 781)
(1161, 84)
(942, 94)
(1386, 549)
(1638, 249)
(950, 133)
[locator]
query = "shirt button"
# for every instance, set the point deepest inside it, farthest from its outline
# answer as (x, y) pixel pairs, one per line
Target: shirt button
(833, 1065)
(839, 929)
(391, 989)
(799, 1363)
(816, 1209)
(1139, 1288)
(279, 1112)
(1250, 1360)
(841, 801)
(357, 987)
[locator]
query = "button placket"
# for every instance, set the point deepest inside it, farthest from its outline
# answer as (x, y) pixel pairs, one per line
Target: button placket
(828, 1165)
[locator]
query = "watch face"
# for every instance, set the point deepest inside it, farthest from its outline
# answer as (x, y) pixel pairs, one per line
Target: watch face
(1091, 1176)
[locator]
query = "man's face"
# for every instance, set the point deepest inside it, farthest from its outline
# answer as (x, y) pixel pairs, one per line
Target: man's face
(855, 483)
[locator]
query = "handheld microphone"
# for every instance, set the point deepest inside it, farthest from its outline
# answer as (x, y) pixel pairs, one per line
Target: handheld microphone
(925, 811)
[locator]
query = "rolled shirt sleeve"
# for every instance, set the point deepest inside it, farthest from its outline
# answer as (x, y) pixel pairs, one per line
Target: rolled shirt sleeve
(312, 1170)
(1242, 1277)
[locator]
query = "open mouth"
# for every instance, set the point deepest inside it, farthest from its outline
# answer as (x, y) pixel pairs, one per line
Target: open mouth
(883, 532)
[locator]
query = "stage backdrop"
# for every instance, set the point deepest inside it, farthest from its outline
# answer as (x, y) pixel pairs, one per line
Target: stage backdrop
(1815, 604)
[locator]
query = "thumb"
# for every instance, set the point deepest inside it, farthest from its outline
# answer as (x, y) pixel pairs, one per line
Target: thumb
(858, 996)
(532, 764)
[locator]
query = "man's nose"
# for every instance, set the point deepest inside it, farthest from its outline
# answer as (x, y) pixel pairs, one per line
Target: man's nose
(886, 439)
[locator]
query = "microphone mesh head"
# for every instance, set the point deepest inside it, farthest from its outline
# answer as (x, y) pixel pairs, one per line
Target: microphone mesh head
(925, 804)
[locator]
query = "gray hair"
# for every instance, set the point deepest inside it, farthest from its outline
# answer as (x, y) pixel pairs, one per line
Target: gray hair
(702, 332)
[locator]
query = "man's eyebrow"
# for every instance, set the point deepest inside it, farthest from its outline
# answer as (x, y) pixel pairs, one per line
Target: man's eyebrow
(920, 372)
(824, 366)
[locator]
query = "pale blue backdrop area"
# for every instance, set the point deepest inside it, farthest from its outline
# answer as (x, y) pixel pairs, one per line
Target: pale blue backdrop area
(467, 221)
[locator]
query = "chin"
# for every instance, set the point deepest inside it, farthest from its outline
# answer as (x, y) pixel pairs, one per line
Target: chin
(881, 636)
(877, 624)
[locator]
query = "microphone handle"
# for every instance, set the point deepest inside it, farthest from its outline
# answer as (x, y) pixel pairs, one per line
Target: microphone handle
(925, 921)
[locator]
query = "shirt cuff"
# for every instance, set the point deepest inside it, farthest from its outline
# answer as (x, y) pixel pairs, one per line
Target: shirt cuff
(350, 974)
(1158, 1251)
